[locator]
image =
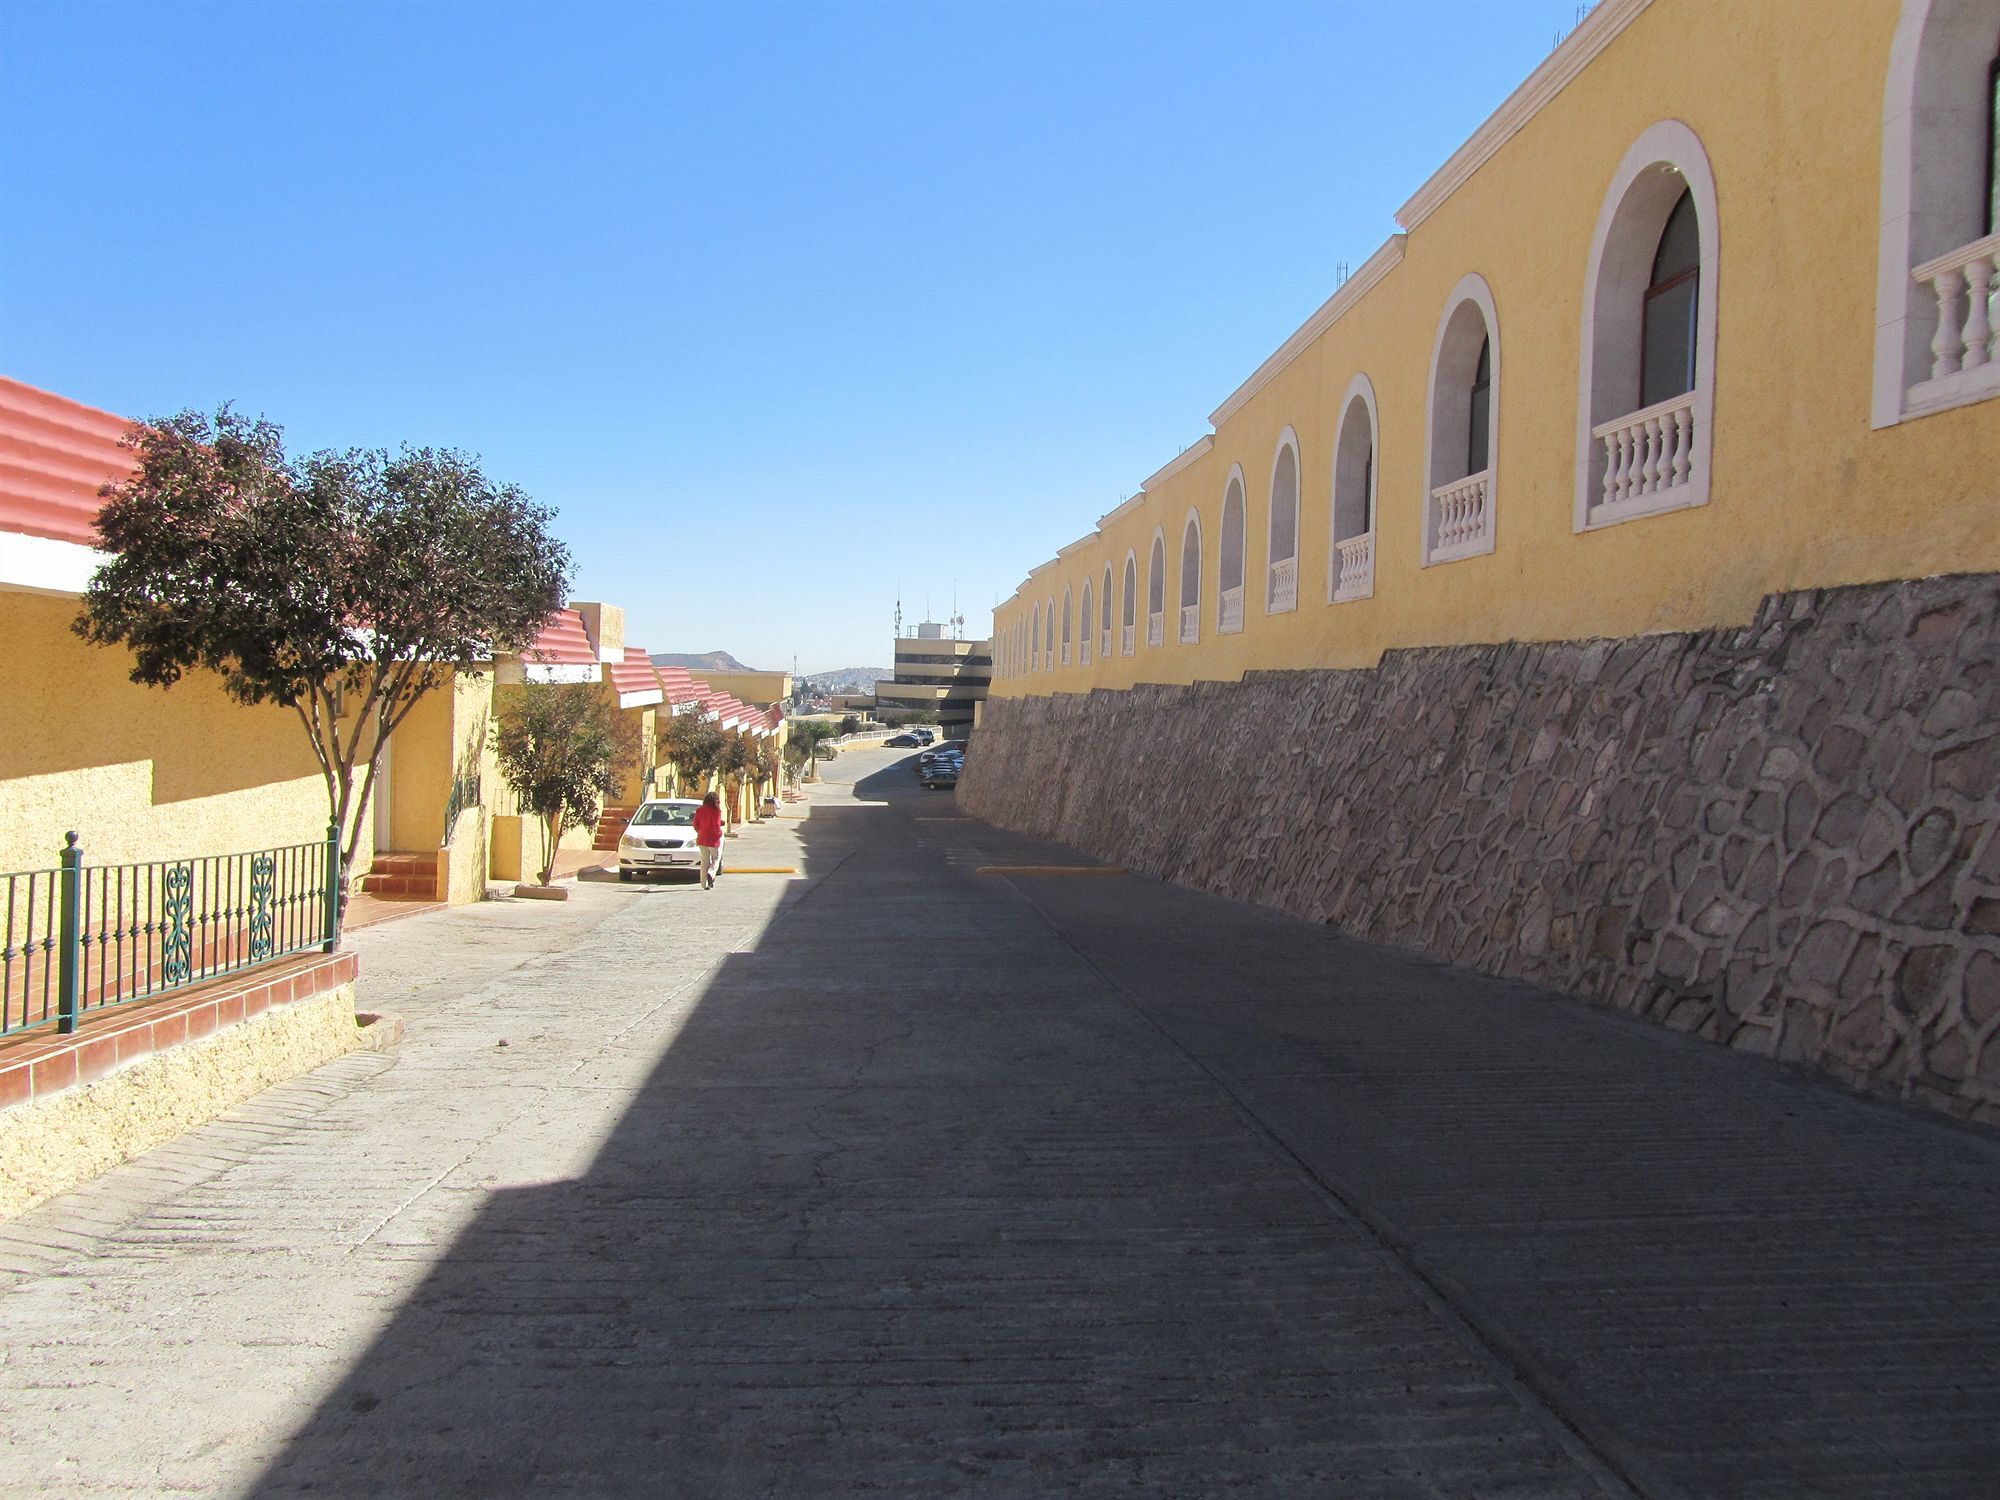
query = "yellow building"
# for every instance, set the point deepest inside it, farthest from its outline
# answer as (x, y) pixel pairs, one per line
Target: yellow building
(1602, 587)
(1661, 338)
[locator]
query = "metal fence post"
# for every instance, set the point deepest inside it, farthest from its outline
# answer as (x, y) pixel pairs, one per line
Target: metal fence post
(70, 976)
(332, 910)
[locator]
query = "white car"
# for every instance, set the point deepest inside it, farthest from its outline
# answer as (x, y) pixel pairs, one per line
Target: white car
(659, 838)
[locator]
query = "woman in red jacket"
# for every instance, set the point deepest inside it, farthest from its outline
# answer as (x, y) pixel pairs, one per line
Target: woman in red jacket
(708, 835)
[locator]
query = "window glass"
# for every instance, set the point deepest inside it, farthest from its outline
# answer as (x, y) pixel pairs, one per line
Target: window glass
(1482, 398)
(1680, 242)
(1993, 146)
(1368, 490)
(1666, 360)
(1669, 342)
(664, 815)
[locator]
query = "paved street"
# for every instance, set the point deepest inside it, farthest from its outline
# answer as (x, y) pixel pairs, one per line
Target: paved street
(901, 1179)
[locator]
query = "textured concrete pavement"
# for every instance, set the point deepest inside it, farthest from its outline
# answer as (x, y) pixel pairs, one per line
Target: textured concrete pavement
(899, 1179)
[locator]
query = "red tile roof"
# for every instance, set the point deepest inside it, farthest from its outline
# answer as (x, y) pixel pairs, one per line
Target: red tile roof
(635, 674)
(55, 454)
(562, 642)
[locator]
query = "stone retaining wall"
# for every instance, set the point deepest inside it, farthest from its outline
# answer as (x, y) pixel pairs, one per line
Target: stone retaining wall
(1781, 837)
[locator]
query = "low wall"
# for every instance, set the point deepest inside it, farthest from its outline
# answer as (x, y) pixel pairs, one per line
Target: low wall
(135, 1078)
(1781, 837)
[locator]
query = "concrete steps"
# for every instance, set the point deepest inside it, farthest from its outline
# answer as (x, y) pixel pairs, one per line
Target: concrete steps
(611, 827)
(397, 876)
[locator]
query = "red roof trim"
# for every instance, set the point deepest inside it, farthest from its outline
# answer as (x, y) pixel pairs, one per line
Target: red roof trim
(55, 455)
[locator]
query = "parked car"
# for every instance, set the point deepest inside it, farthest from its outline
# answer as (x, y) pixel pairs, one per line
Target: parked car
(942, 772)
(903, 742)
(925, 735)
(660, 839)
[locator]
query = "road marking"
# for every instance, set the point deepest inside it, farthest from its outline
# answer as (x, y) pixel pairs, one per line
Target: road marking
(947, 820)
(1050, 870)
(760, 870)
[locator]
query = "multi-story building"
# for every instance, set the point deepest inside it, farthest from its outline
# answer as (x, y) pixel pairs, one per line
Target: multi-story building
(937, 674)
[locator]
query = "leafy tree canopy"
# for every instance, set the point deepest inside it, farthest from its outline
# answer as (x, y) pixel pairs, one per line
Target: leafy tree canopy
(561, 750)
(344, 585)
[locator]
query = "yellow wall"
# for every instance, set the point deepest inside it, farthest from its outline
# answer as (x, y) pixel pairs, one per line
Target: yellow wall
(1803, 492)
(760, 689)
(140, 773)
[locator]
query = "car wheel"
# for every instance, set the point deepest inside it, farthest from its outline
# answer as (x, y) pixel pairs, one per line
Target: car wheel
(624, 877)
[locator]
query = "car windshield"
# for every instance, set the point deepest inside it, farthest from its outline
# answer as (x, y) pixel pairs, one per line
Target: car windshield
(664, 815)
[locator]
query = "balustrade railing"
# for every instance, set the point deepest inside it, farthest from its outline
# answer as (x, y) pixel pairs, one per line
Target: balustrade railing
(1065, 653)
(1104, 645)
(1190, 624)
(1462, 517)
(1126, 643)
(1355, 560)
(1964, 284)
(1156, 629)
(83, 937)
(1284, 584)
(1083, 652)
(1647, 453)
(1229, 612)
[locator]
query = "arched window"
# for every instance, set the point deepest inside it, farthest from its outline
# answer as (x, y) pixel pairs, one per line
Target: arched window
(1156, 594)
(1191, 581)
(1084, 619)
(1229, 596)
(1460, 464)
(1128, 638)
(1035, 627)
(1351, 567)
(1066, 619)
(1282, 592)
(1049, 632)
(1104, 603)
(1937, 342)
(1646, 397)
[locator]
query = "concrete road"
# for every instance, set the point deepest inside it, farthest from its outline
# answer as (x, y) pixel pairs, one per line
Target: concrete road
(903, 1179)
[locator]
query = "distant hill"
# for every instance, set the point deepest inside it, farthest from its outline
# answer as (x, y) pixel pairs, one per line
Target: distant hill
(700, 661)
(847, 679)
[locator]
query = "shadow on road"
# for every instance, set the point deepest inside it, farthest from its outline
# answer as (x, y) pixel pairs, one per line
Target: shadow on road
(918, 1202)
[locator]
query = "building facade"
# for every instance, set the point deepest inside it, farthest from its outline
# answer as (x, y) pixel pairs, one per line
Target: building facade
(936, 674)
(1600, 587)
(1647, 348)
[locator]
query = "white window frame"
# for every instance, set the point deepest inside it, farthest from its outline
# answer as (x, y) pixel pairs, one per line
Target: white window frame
(1286, 439)
(1183, 634)
(1128, 630)
(1930, 117)
(1666, 157)
(1361, 389)
(1473, 290)
(1222, 590)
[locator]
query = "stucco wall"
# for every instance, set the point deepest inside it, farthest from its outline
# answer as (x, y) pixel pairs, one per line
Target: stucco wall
(1804, 493)
(140, 773)
(1784, 837)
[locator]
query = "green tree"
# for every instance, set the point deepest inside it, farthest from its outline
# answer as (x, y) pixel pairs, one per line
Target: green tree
(693, 742)
(562, 750)
(344, 585)
(810, 736)
(737, 761)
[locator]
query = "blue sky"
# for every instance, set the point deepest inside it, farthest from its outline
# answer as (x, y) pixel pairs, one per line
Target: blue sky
(782, 307)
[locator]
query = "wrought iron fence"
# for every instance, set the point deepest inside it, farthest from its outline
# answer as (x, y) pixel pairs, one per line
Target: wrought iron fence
(83, 937)
(467, 792)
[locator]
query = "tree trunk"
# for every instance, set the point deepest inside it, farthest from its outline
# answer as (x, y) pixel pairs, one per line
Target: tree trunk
(552, 836)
